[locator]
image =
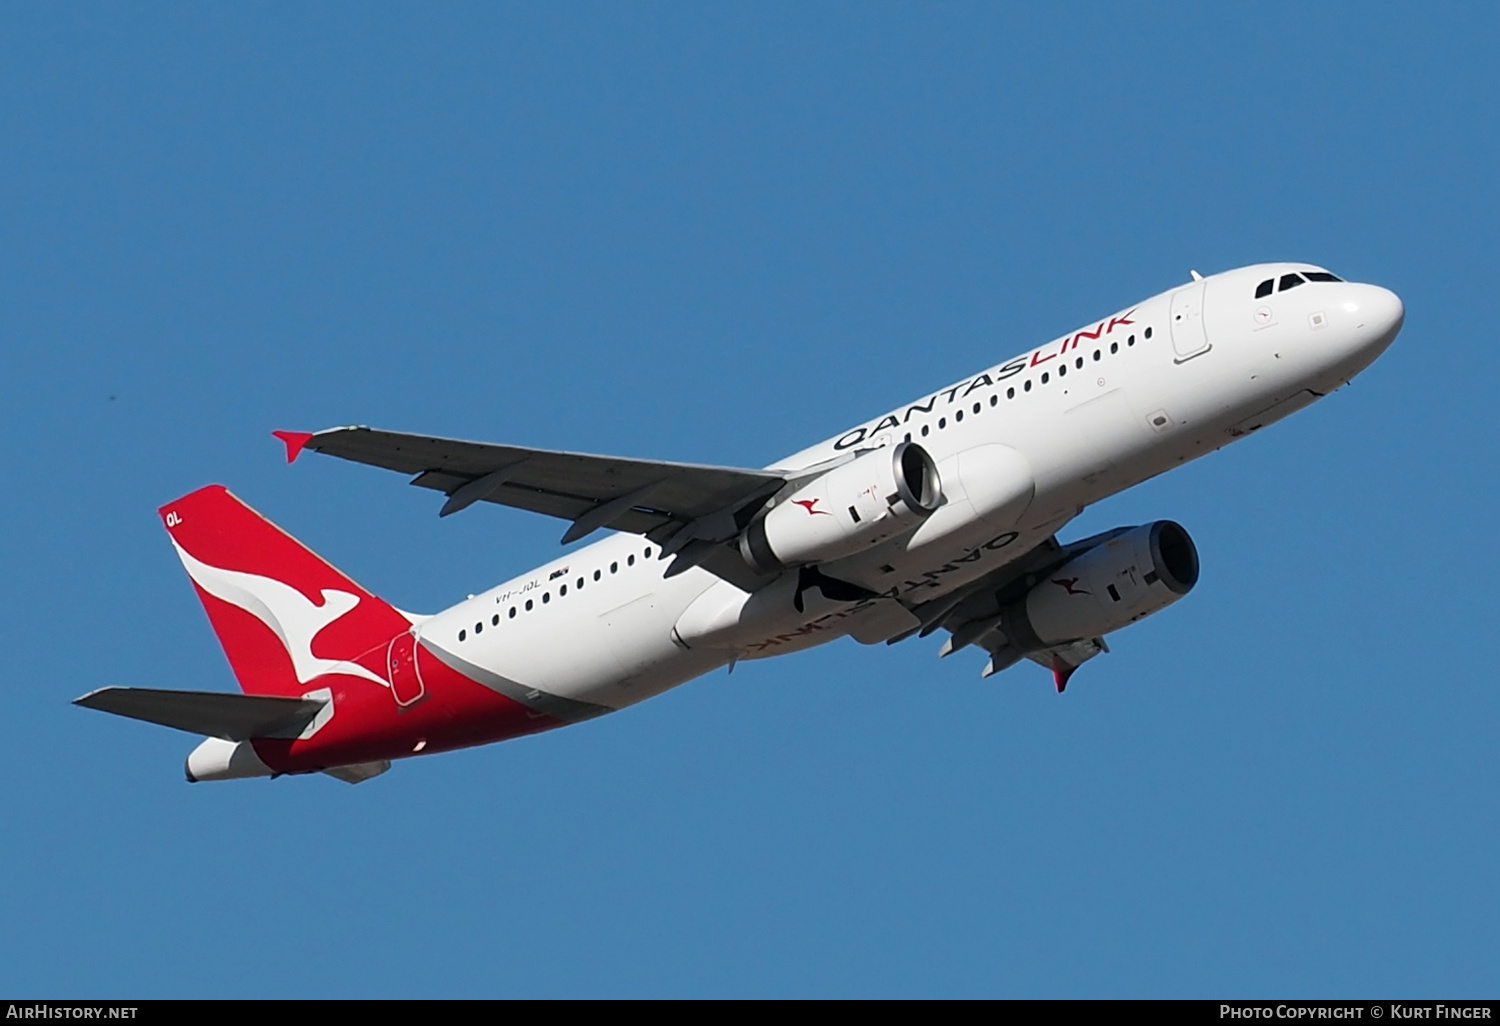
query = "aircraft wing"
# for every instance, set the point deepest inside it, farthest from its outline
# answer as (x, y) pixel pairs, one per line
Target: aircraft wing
(972, 614)
(675, 504)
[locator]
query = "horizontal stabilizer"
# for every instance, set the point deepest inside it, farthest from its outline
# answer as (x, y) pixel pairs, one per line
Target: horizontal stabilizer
(211, 713)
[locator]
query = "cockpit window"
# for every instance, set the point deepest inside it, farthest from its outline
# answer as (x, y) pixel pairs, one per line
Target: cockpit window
(1290, 281)
(1321, 276)
(1264, 288)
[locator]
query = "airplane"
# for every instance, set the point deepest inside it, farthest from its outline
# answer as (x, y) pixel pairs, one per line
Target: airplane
(941, 514)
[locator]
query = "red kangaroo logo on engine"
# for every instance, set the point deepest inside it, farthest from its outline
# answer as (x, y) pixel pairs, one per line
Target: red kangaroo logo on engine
(1067, 584)
(808, 505)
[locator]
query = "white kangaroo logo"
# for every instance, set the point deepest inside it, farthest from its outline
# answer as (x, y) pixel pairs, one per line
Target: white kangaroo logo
(284, 609)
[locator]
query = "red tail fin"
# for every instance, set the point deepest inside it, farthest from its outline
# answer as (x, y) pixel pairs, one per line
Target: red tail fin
(283, 615)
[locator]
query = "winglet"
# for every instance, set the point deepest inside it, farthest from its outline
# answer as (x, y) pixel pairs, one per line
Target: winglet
(1061, 672)
(294, 440)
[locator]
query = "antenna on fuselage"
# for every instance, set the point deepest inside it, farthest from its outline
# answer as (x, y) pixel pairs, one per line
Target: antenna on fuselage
(1196, 275)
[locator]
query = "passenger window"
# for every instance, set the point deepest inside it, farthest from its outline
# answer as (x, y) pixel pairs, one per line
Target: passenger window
(1027, 386)
(995, 399)
(495, 620)
(598, 574)
(1264, 288)
(1114, 347)
(1132, 337)
(462, 635)
(977, 407)
(1062, 370)
(614, 567)
(1010, 393)
(924, 430)
(562, 592)
(1290, 281)
(478, 627)
(546, 597)
(512, 613)
(1320, 276)
(1096, 356)
(647, 554)
(1078, 363)
(958, 416)
(630, 560)
(529, 604)
(1044, 377)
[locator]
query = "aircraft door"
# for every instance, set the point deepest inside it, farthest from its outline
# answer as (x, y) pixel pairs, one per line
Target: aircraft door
(1189, 336)
(401, 669)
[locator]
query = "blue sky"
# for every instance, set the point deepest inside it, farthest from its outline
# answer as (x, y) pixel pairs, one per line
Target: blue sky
(719, 233)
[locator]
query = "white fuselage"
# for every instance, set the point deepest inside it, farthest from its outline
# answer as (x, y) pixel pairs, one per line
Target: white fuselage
(1091, 413)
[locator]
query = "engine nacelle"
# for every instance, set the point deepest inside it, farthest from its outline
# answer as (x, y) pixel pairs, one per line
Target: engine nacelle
(1114, 584)
(866, 501)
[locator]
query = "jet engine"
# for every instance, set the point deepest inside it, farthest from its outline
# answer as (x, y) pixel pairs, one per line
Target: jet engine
(868, 500)
(1128, 577)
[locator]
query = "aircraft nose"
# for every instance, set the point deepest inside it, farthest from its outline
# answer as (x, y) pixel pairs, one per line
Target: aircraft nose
(1377, 313)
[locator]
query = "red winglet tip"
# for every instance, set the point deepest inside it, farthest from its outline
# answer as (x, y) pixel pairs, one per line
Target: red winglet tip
(1061, 673)
(294, 440)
